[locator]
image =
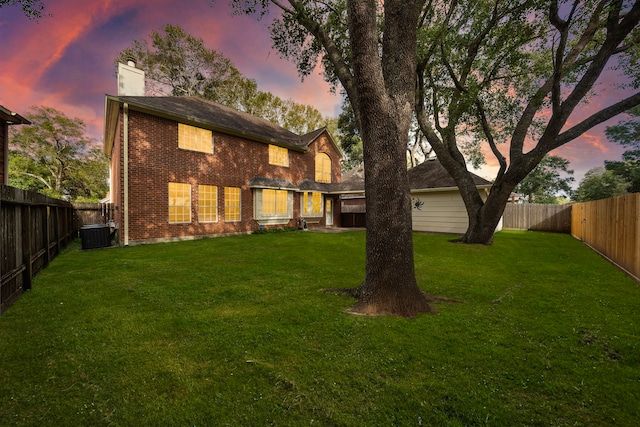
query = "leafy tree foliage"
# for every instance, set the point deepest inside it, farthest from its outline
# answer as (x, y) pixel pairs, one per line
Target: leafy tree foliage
(599, 183)
(179, 64)
(543, 183)
(31, 8)
(627, 133)
(349, 137)
(53, 156)
(516, 71)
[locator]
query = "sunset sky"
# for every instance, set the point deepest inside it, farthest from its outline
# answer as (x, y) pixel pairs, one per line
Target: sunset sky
(65, 60)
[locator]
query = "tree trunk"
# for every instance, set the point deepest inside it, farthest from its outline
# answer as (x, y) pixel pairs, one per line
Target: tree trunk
(383, 103)
(485, 217)
(390, 285)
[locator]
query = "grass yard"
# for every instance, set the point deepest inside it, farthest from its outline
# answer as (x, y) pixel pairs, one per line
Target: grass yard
(236, 332)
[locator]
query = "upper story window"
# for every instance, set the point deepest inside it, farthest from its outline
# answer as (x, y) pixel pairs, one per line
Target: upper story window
(278, 156)
(195, 139)
(323, 167)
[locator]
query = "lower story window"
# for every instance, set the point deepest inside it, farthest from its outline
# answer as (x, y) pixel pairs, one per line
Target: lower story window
(232, 206)
(312, 204)
(272, 206)
(207, 203)
(275, 202)
(179, 203)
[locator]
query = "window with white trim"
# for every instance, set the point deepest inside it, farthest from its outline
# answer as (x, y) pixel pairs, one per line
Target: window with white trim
(323, 167)
(273, 206)
(312, 204)
(207, 203)
(232, 204)
(179, 203)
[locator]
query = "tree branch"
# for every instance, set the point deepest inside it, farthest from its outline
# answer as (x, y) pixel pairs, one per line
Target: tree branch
(486, 128)
(595, 119)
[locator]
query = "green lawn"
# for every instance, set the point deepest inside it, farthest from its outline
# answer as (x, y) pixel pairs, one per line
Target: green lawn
(236, 331)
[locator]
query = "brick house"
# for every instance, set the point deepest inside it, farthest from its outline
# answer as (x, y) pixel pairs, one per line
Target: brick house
(185, 167)
(7, 118)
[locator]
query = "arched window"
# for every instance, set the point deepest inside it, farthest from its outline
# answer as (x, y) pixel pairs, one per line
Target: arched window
(323, 168)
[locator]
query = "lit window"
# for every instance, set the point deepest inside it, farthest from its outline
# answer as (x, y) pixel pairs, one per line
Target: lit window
(312, 204)
(231, 204)
(207, 203)
(275, 202)
(278, 156)
(196, 139)
(179, 203)
(323, 168)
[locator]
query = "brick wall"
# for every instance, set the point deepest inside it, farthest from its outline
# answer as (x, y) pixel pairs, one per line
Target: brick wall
(155, 160)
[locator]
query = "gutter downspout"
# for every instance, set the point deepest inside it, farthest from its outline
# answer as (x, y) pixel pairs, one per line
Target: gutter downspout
(126, 173)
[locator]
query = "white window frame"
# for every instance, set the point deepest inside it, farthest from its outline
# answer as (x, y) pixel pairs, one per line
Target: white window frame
(263, 218)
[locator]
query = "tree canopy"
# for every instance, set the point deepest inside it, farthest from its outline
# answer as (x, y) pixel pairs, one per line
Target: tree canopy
(600, 183)
(627, 133)
(55, 157)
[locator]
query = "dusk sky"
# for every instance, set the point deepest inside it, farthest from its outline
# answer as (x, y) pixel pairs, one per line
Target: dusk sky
(65, 59)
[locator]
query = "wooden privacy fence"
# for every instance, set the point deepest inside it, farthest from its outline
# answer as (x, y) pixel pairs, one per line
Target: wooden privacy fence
(92, 213)
(34, 229)
(535, 217)
(612, 228)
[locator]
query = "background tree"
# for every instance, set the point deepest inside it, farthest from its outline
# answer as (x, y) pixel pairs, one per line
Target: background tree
(53, 156)
(543, 183)
(627, 133)
(369, 49)
(516, 71)
(31, 8)
(599, 183)
(179, 64)
(349, 137)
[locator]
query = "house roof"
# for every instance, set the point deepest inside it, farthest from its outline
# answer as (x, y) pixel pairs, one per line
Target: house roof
(210, 115)
(275, 183)
(431, 174)
(12, 118)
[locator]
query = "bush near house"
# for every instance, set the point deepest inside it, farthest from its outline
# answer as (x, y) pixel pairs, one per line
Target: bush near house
(235, 331)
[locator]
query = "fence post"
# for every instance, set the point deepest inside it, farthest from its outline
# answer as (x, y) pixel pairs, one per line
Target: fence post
(27, 257)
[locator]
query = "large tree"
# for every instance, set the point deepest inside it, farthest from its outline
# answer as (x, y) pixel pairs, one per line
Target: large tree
(54, 156)
(369, 48)
(517, 73)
